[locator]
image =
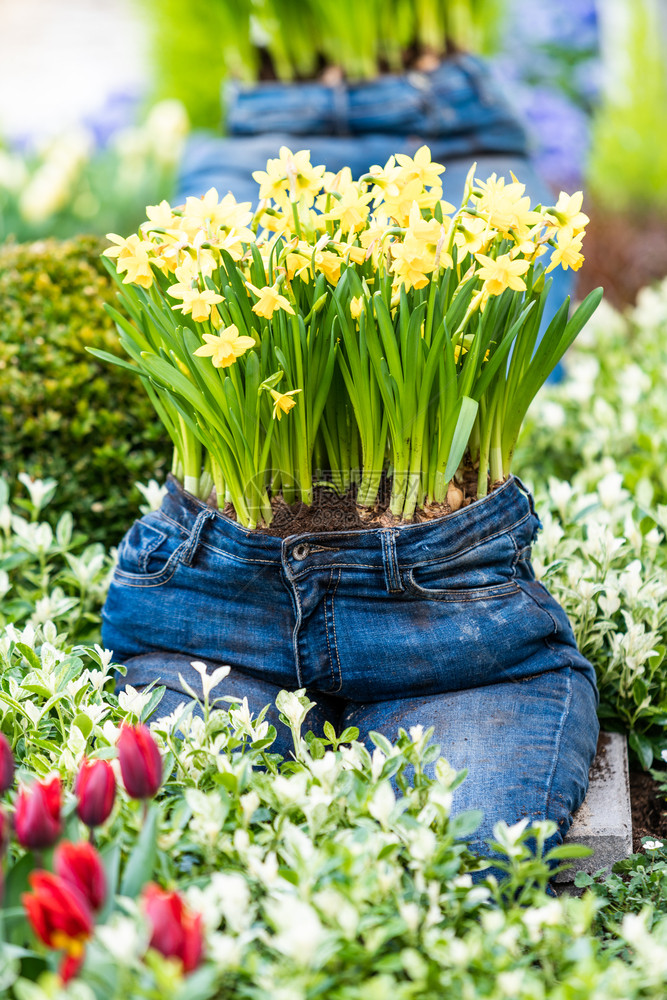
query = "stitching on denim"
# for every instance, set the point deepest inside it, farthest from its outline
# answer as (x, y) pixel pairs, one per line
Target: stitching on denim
(192, 544)
(559, 738)
(296, 603)
(241, 559)
(333, 615)
(152, 579)
(463, 596)
(474, 545)
(385, 542)
(524, 590)
(394, 583)
(150, 547)
(326, 629)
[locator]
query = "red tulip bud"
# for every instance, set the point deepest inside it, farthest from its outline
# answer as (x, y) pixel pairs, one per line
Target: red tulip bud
(140, 762)
(6, 764)
(60, 917)
(80, 865)
(176, 932)
(96, 791)
(37, 817)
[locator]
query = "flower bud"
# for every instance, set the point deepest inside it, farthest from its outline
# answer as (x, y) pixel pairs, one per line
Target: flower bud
(37, 815)
(6, 764)
(80, 865)
(95, 790)
(176, 932)
(60, 917)
(140, 762)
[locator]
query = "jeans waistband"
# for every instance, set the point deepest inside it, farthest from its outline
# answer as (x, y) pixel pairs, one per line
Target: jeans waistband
(411, 544)
(458, 98)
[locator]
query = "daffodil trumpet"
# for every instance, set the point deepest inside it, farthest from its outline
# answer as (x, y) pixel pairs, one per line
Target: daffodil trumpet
(346, 331)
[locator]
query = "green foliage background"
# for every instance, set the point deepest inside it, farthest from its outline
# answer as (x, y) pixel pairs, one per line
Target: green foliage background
(63, 413)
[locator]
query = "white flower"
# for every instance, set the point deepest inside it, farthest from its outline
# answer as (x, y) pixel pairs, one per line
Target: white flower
(40, 490)
(209, 681)
(294, 705)
(382, 803)
(132, 701)
(652, 845)
(153, 493)
(300, 931)
(208, 816)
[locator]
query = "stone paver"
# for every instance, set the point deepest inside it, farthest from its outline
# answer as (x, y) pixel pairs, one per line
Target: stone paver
(604, 821)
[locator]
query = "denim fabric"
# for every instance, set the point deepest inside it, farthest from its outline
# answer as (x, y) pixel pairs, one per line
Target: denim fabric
(440, 623)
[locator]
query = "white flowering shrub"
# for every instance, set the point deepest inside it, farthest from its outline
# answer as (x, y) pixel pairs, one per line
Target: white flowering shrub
(595, 451)
(338, 872)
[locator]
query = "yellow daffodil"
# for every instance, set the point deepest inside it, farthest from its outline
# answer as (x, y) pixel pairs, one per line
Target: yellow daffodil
(356, 307)
(329, 264)
(502, 273)
(210, 214)
(282, 402)
(568, 251)
(224, 348)
(161, 216)
(132, 259)
(421, 167)
(269, 300)
(290, 173)
(472, 235)
(412, 262)
(194, 301)
(567, 214)
(352, 209)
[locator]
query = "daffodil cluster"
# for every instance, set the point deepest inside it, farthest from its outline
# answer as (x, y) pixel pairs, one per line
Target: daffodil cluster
(401, 330)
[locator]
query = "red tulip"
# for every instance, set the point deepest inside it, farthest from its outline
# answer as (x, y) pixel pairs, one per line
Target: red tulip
(37, 817)
(96, 791)
(6, 764)
(60, 917)
(175, 931)
(140, 762)
(80, 865)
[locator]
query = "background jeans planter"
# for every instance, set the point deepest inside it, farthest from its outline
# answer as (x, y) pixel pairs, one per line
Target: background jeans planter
(440, 624)
(458, 110)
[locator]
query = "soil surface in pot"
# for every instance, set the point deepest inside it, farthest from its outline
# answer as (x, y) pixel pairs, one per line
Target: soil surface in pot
(333, 512)
(649, 811)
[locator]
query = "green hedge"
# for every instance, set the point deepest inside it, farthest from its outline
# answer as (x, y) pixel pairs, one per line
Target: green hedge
(63, 413)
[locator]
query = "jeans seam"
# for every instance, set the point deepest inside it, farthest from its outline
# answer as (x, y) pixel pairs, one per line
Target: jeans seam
(296, 605)
(335, 639)
(559, 740)
(456, 596)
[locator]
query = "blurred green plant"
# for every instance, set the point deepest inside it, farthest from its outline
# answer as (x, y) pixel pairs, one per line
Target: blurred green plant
(68, 186)
(63, 413)
(628, 162)
(196, 46)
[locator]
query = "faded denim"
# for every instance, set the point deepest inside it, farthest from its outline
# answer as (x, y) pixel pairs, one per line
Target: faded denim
(440, 623)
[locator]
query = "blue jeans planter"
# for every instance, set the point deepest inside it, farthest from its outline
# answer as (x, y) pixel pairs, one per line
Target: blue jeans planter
(458, 110)
(440, 623)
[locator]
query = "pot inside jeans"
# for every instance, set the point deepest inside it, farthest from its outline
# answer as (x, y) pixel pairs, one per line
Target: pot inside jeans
(440, 623)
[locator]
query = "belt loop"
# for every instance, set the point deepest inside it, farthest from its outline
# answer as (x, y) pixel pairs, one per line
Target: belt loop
(392, 576)
(192, 544)
(529, 497)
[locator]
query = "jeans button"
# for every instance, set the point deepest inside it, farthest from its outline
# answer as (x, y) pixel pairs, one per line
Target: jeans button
(301, 550)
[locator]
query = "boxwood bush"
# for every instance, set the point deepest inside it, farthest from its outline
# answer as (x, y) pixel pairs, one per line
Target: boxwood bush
(63, 413)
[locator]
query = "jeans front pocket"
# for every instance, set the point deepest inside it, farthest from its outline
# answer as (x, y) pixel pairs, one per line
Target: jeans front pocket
(484, 569)
(149, 553)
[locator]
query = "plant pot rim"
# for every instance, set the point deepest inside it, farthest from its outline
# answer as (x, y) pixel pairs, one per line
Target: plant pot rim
(511, 484)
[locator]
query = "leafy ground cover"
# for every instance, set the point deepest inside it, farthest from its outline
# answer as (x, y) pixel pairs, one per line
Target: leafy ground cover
(312, 875)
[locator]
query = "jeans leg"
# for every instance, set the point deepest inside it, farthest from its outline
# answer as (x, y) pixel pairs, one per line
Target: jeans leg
(527, 745)
(164, 669)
